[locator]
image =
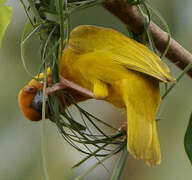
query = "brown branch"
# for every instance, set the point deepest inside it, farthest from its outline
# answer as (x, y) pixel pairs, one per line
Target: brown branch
(129, 15)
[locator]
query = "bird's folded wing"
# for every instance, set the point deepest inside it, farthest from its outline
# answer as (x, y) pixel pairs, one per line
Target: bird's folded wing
(127, 52)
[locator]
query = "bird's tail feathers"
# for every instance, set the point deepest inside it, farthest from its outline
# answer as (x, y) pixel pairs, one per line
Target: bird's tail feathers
(142, 139)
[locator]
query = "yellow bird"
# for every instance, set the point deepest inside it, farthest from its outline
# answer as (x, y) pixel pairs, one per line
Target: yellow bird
(104, 64)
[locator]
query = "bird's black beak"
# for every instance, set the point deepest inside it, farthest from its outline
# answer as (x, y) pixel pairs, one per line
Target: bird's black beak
(37, 101)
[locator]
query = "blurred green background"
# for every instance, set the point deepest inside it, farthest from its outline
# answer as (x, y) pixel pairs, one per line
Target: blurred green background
(20, 140)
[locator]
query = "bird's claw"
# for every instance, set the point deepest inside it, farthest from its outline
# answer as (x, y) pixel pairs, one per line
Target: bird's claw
(123, 128)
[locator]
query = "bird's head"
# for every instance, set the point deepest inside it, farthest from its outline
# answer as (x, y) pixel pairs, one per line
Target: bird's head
(30, 100)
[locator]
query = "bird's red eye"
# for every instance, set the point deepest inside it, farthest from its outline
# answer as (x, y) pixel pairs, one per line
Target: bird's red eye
(31, 89)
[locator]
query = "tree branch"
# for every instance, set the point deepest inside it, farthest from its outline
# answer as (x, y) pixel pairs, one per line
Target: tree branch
(129, 15)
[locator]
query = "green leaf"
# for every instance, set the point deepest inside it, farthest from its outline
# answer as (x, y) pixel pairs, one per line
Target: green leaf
(5, 19)
(3, 1)
(188, 140)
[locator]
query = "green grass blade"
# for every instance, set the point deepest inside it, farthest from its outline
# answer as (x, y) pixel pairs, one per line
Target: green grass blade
(117, 172)
(159, 16)
(25, 36)
(164, 23)
(43, 132)
(34, 11)
(97, 119)
(89, 156)
(27, 13)
(187, 68)
(93, 167)
(98, 163)
(146, 21)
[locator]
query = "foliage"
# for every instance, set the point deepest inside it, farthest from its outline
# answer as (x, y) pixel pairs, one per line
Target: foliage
(5, 18)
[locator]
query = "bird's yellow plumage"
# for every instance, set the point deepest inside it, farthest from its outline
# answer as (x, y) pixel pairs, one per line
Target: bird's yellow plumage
(112, 66)
(123, 72)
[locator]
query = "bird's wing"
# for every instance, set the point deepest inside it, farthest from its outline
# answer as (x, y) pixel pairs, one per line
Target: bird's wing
(140, 94)
(127, 52)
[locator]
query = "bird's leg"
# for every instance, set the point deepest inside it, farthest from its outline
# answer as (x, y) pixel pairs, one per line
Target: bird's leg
(54, 88)
(123, 128)
(64, 84)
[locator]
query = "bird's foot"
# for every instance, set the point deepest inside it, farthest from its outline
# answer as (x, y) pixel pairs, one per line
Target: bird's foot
(123, 128)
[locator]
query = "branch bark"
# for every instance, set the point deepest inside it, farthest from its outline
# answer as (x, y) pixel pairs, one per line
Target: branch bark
(129, 15)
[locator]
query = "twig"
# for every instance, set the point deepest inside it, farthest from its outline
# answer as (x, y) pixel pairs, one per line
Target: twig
(129, 15)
